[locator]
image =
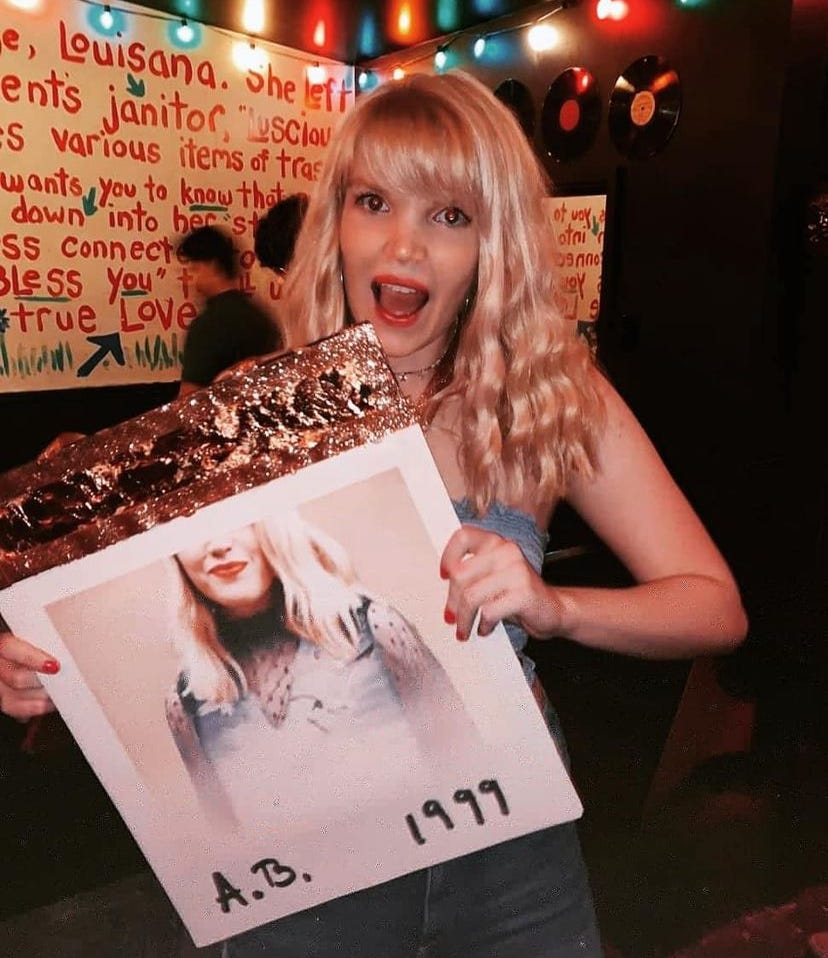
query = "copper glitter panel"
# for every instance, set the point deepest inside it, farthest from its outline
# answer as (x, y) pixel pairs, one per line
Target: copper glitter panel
(269, 421)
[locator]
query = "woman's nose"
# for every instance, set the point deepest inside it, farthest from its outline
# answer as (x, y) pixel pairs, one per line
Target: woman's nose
(407, 241)
(217, 547)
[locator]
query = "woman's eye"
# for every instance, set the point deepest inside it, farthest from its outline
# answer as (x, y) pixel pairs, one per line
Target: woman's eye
(452, 216)
(372, 202)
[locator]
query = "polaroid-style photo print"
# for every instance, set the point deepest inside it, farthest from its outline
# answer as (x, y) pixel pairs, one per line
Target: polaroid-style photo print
(267, 689)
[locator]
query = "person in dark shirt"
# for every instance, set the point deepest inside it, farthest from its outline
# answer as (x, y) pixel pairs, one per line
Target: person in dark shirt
(231, 326)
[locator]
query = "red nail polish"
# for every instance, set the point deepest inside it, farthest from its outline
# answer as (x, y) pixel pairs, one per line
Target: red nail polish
(449, 617)
(50, 667)
(443, 573)
(460, 636)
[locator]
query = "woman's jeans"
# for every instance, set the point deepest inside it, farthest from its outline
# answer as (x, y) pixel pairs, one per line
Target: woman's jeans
(525, 898)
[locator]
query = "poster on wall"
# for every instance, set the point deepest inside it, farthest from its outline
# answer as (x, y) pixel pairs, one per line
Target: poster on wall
(119, 134)
(243, 591)
(579, 223)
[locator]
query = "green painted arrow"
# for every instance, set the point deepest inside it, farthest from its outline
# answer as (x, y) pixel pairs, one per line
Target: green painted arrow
(89, 205)
(108, 345)
(135, 87)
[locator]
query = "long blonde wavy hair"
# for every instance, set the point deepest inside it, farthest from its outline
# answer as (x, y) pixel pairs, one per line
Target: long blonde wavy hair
(530, 411)
(321, 594)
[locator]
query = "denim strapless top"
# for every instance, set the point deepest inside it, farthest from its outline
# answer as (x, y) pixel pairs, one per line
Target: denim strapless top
(520, 528)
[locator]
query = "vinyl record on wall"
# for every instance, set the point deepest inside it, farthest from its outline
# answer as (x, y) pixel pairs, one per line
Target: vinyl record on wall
(519, 100)
(571, 114)
(644, 107)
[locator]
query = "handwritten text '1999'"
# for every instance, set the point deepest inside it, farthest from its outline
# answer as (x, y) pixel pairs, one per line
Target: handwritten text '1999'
(463, 796)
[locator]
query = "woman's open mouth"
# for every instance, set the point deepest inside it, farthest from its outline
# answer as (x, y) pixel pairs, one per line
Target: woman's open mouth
(398, 303)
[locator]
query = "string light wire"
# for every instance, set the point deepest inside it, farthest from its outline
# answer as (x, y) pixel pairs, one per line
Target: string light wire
(288, 53)
(430, 48)
(422, 51)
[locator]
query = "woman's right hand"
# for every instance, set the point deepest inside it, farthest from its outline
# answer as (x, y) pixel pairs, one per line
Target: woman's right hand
(21, 694)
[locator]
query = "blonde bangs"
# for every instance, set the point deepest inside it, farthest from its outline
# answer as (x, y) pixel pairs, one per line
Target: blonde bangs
(410, 144)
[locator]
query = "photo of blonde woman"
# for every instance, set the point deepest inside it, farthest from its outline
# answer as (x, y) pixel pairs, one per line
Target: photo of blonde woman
(288, 663)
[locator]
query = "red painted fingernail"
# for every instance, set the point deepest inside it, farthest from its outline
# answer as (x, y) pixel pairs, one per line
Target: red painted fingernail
(443, 573)
(461, 637)
(50, 667)
(450, 617)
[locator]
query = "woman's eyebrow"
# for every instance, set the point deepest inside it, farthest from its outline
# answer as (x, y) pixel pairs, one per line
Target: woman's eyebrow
(360, 183)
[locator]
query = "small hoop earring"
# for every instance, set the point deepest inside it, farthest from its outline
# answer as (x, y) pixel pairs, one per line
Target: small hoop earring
(468, 302)
(349, 319)
(466, 308)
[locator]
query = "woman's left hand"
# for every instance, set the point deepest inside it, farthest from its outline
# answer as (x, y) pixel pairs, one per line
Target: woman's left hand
(489, 574)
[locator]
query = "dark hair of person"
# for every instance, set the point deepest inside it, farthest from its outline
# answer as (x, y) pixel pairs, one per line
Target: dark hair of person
(276, 232)
(210, 245)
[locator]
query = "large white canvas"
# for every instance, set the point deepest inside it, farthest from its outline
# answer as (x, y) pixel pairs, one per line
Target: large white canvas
(113, 146)
(366, 814)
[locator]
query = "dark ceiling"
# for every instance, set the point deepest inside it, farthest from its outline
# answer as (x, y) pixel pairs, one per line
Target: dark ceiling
(354, 30)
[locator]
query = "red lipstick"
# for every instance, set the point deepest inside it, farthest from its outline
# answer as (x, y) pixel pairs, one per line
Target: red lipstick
(227, 570)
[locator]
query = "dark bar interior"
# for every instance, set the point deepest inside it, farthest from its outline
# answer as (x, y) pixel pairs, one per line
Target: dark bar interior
(705, 783)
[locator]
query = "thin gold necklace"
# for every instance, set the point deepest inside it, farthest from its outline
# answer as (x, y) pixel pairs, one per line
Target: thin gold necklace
(401, 377)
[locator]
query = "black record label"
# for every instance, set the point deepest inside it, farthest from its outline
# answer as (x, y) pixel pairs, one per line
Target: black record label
(571, 114)
(644, 107)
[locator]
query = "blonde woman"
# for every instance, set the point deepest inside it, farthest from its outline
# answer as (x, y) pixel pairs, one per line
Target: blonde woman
(275, 633)
(428, 222)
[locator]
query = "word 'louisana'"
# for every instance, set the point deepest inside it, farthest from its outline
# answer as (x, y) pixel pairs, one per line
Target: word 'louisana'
(77, 47)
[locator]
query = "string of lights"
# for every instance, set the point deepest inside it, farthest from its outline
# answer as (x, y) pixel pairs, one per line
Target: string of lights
(540, 36)
(483, 42)
(185, 32)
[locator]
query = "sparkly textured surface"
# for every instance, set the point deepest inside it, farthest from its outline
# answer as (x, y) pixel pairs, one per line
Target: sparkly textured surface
(248, 429)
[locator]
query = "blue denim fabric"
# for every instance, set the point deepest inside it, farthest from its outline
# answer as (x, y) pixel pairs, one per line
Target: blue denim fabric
(522, 529)
(525, 898)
